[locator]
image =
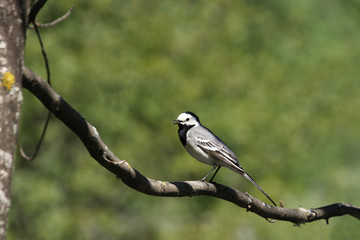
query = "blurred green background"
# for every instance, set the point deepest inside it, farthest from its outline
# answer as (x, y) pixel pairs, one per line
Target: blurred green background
(278, 81)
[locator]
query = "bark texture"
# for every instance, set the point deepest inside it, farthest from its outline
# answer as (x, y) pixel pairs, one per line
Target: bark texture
(12, 43)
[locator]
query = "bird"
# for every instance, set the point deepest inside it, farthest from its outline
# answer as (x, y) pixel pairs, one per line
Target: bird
(207, 148)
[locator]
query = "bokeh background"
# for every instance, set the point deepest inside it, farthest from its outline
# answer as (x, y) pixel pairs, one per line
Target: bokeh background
(278, 81)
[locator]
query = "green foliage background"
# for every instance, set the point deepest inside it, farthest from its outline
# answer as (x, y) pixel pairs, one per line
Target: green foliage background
(278, 81)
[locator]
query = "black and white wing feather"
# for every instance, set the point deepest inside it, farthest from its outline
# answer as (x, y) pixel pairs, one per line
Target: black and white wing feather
(226, 158)
(219, 151)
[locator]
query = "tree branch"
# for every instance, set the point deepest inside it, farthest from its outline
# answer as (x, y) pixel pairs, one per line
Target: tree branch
(56, 21)
(134, 179)
(38, 5)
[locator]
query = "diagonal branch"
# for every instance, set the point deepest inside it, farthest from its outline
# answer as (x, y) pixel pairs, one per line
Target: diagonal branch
(130, 176)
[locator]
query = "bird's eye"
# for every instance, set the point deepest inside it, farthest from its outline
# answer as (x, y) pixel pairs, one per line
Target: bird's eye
(187, 119)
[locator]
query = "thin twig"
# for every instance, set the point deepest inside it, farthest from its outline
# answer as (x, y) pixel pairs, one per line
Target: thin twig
(43, 51)
(37, 148)
(37, 6)
(58, 20)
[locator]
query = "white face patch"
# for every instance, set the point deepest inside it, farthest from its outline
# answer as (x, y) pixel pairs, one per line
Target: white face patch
(187, 119)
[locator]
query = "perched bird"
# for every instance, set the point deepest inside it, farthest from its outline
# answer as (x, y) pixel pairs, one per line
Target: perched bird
(206, 147)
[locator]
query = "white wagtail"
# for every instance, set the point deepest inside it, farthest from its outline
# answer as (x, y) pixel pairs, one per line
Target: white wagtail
(206, 147)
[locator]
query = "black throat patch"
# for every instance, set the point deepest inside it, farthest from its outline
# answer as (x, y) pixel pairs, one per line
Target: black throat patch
(183, 129)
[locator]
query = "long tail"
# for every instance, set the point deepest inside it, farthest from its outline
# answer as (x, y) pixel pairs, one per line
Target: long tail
(241, 171)
(248, 177)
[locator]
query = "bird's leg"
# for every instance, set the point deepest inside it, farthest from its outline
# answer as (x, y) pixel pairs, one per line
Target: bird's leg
(203, 179)
(211, 180)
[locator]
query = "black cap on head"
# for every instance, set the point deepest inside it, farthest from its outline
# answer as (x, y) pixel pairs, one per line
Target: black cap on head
(194, 115)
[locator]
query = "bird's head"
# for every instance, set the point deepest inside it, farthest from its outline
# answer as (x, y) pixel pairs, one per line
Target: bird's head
(187, 119)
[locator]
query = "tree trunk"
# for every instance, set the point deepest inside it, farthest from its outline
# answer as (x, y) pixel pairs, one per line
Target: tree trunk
(12, 42)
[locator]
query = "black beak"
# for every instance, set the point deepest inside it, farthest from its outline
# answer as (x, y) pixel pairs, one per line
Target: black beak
(176, 122)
